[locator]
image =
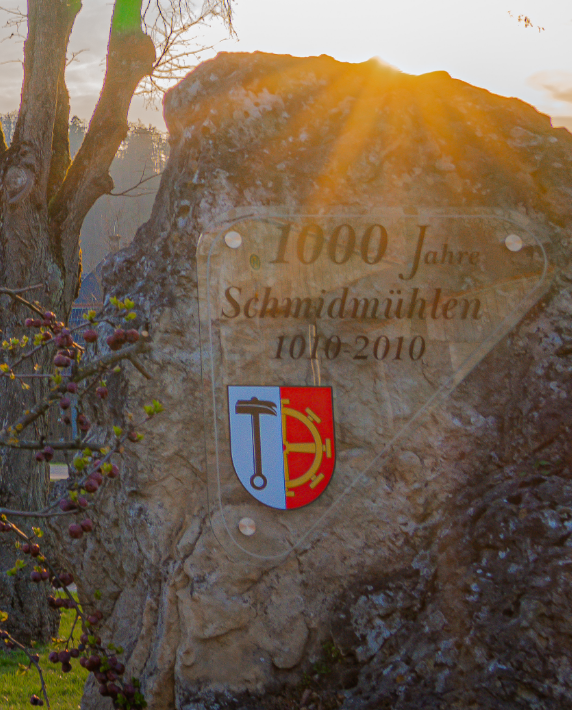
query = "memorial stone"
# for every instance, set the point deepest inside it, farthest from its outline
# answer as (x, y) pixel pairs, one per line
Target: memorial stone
(356, 286)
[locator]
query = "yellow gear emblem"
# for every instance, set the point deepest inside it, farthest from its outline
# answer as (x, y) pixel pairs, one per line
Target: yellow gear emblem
(315, 447)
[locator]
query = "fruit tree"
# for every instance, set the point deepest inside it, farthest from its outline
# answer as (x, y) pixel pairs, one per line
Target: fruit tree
(44, 198)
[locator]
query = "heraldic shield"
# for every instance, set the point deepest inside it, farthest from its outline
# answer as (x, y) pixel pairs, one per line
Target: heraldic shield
(282, 442)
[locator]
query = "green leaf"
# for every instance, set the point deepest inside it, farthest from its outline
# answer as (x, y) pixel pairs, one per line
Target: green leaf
(131, 316)
(149, 409)
(158, 407)
(19, 564)
(129, 303)
(117, 430)
(3, 616)
(97, 594)
(38, 532)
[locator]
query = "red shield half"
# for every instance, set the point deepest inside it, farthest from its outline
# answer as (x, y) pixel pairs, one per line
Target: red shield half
(308, 442)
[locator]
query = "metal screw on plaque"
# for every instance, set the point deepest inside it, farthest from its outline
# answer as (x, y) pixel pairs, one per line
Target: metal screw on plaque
(247, 526)
(233, 240)
(513, 242)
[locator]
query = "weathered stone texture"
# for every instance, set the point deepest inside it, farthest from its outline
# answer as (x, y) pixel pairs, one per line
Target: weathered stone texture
(450, 586)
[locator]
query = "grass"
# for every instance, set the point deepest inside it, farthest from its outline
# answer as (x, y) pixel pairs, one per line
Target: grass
(64, 689)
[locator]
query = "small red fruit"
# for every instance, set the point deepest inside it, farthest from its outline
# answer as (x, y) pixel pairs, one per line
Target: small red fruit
(34, 550)
(116, 340)
(36, 577)
(94, 662)
(86, 525)
(90, 335)
(83, 422)
(64, 339)
(113, 689)
(91, 486)
(66, 505)
(102, 392)
(64, 656)
(65, 403)
(66, 578)
(97, 477)
(29, 322)
(40, 456)
(132, 336)
(62, 361)
(72, 387)
(75, 531)
(48, 453)
(26, 548)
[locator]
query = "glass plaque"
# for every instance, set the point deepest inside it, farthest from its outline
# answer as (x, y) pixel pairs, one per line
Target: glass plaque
(326, 338)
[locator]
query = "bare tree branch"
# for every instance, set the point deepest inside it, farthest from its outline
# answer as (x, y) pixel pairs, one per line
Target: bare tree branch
(134, 187)
(170, 23)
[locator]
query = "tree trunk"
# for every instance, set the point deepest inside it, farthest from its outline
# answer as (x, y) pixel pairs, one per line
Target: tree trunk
(43, 202)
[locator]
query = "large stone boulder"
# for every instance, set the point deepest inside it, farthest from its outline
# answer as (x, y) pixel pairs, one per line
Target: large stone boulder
(453, 588)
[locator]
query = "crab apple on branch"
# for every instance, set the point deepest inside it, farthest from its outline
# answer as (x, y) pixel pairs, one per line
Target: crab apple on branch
(79, 387)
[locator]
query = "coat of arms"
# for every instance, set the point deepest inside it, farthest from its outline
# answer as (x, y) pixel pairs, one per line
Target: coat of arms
(282, 442)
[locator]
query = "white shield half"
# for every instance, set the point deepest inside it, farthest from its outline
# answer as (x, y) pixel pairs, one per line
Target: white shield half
(256, 442)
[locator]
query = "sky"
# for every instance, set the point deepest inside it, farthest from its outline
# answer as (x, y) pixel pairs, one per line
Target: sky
(477, 42)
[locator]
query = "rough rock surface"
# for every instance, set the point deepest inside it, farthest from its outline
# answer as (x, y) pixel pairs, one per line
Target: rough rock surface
(454, 590)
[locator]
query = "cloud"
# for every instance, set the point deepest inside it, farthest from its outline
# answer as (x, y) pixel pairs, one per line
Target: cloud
(557, 84)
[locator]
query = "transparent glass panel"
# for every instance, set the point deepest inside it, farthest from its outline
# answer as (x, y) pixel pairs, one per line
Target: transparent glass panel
(326, 338)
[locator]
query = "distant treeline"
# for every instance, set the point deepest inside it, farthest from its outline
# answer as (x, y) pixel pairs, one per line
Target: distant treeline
(113, 221)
